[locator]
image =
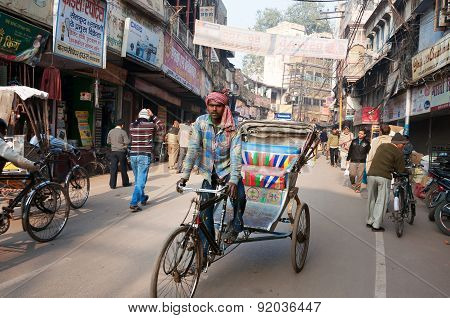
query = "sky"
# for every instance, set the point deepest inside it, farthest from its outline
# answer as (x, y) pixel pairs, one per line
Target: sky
(242, 13)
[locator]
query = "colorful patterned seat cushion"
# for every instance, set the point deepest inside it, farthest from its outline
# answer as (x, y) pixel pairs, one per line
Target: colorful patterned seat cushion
(264, 177)
(268, 155)
(265, 166)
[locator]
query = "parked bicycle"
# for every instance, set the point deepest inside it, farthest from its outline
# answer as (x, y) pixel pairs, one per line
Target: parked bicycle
(100, 165)
(45, 204)
(404, 202)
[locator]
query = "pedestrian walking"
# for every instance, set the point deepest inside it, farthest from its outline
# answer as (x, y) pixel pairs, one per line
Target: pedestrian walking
(118, 139)
(173, 145)
(345, 139)
(324, 141)
(333, 144)
(184, 135)
(387, 159)
(357, 154)
(384, 138)
(142, 132)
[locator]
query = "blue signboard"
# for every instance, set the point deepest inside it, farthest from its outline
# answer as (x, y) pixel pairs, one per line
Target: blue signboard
(283, 116)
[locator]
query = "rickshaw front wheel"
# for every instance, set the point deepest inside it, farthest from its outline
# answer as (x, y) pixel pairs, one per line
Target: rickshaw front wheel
(300, 237)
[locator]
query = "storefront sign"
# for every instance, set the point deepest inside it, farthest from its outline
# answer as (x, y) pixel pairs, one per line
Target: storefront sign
(79, 31)
(440, 95)
(83, 128)
(207, 14)
(395, 108)
(141, 43)
(153, 6)
(21, 41)
(431, 59)
(39, 10)
(421, 100)
(366, 116)
(283, 116)
(179, 65)
(261, 43)
(206, 86)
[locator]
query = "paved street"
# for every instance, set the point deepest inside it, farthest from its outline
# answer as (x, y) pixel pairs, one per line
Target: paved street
(105, 251)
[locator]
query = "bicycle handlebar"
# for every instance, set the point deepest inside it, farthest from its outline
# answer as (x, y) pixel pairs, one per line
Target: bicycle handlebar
(187, 189)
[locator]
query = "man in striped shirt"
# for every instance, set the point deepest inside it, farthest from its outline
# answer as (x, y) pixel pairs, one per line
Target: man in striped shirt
(142, 132)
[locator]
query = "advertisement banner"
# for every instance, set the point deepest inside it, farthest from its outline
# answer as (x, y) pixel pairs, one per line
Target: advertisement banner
(207, 14)
(83, 128)
(141, 43)
(179, 65)
(21, 41)
(39, 10)
(153, 6)
(260, 43)
(429, 60)
(79, 31)
(440, 95)
(421, 100)
(395, 108)
(367, 115)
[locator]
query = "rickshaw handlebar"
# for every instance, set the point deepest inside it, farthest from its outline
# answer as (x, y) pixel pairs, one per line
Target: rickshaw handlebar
(187, 189)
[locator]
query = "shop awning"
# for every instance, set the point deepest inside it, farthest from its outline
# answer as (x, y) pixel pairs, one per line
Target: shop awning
(24, 92)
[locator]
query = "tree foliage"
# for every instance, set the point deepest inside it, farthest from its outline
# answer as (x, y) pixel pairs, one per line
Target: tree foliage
(304, 13)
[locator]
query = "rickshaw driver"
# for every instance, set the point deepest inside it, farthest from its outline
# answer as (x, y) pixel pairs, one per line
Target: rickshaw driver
(216, 141)
(8, 154)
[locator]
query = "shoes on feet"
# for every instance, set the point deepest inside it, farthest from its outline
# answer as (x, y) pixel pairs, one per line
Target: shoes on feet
(135, 208)
(380, 229)
(127, 185)
(144, 202)
(112, 187)
(369, 225)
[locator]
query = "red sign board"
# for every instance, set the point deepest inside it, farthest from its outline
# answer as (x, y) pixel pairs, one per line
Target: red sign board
(180, 65)
(367, 116)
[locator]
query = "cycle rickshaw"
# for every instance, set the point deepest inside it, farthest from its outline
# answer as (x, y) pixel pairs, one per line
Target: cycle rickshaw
(45, 204)
(273, 153)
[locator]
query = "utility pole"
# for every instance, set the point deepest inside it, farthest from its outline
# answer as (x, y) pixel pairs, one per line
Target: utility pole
(340, 88)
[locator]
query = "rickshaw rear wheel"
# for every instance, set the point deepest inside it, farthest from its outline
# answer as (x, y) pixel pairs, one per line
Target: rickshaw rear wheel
(46, 211)
(178, 267)
(300, 237)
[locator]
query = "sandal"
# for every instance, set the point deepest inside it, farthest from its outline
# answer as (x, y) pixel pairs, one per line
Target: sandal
(231, 237)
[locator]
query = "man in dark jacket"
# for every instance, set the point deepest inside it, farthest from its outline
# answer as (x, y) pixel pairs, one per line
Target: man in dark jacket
(357, 154)
(387, 159)
(118, 139)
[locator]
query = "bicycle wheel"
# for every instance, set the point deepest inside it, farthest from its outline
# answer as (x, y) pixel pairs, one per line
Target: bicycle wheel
(442, 218)
(94, 168)
(411, 207)
(46, 211)
(431, 193)
(77, 185)
(300, 236)
(178, 267)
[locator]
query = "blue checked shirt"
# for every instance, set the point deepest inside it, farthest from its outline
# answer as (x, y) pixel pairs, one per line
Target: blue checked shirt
(213, 151)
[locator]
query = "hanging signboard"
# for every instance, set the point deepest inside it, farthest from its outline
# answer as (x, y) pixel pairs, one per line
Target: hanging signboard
(141, 43)
(395, 108)
(260, 43)
(367, 116)
(39, 10)
(179, 65)
(430, 60)
(79, 31)
(207, 14)
(21, 41)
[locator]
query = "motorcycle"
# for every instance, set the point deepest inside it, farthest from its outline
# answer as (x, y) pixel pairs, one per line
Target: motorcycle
(433, 188)
(442, 214)
(443, 185)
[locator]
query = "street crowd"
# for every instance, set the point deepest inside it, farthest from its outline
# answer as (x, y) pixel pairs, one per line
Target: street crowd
(370, 163)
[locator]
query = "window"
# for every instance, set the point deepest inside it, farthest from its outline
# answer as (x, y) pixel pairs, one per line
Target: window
(322, 102)
(307, 101)
(309, 76)
(316, 102)
(319, 77)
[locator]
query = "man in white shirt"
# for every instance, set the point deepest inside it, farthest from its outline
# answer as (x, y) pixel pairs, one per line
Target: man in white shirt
(183, 136)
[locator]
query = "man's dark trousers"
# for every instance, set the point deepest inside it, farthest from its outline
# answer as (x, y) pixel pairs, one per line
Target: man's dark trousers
(116, 158)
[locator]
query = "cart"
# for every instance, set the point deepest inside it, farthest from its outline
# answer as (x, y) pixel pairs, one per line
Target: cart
(273, 154)
(45, 204)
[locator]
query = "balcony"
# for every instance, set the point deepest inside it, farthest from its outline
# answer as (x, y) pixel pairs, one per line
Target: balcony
(178, 28)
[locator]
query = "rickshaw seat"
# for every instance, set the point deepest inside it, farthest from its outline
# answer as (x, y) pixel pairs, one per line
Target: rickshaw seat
(266, 165)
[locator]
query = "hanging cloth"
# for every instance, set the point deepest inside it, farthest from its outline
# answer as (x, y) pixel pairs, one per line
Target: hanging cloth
(51, 83)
